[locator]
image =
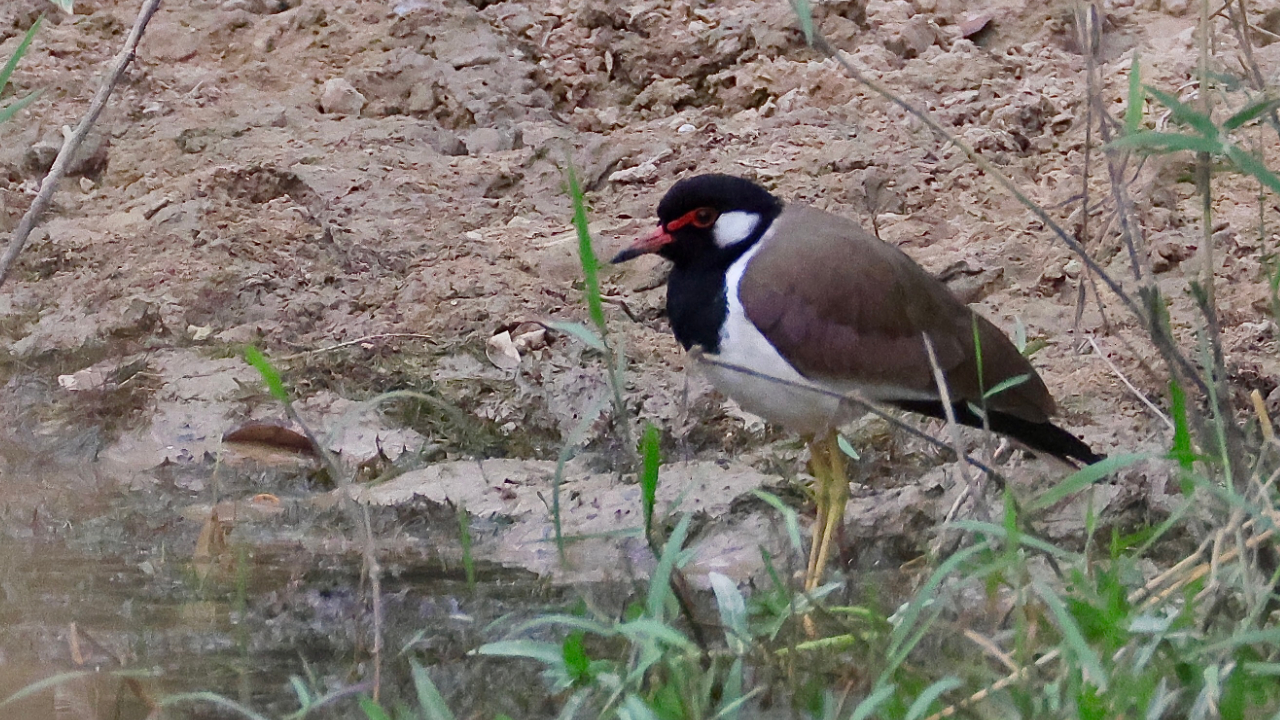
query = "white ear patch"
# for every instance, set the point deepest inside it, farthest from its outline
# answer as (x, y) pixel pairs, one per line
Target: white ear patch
(733, 227)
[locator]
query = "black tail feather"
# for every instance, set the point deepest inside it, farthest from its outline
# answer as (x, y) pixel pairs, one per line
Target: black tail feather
(1044, 437)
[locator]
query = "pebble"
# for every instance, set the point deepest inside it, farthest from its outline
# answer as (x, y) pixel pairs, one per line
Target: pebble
(341, 98)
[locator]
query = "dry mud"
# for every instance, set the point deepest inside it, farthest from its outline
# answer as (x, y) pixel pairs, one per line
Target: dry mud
(373, 191)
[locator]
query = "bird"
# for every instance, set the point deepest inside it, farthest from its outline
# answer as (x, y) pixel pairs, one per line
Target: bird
(792, 309)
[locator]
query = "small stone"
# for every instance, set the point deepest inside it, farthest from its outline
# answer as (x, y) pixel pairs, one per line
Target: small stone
(686, 128)
(641, 173)
(485, 141)
(422, 99)
(467, 49)
(39, 157)
(86, 185)
(663, 94)
(341, 98)
(912, 38)
(199, 333)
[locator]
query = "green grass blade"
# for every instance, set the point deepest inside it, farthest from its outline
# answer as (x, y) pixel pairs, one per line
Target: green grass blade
(212, 699)
(464, 539)
(1270, 636)
(576, 436)
(733, 611)
(1182, 450)
(633, 708)
(586, 253)
(571, 622)
(872, 702)
(660, 582)
(578, 330)
(372, 710)
(790, 518)
(977, 361)
(1005, 384)
(846, 447)
(270, 376)
(644, 628)
(40, 686)
(1251, 112)
(1162, 142)
(8, 111)
(652, 460)
(430, 701)
(1083, 478)
(1137, 98)
(548, 653)
(1251, 165)
(1185, 114)
(732, 698)
(926, 699)
(804, 15)
(7, 71)
(906, 635)
(300, 691)
(1089, 661)
(1022, 539)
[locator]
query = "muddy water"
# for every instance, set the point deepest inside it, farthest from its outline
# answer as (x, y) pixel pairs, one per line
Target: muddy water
(103, 527)
(138, 635)
(98, 586)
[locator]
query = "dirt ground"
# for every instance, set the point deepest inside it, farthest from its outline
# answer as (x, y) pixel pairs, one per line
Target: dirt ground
(372, 190)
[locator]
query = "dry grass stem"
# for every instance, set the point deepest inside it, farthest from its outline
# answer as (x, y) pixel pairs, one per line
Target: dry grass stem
(357, 341)
(1097, 350)
(72, 143)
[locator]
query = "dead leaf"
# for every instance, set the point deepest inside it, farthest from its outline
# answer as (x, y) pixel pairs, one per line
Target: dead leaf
(73, 639)
(272, 435)
(502, 352)
(211, 544)
(93, 378)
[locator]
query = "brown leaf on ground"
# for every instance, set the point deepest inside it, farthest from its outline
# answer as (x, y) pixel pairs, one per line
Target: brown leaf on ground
(272, 435)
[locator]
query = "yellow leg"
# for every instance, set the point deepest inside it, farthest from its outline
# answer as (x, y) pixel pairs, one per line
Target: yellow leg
(820, 467)
(831, 495)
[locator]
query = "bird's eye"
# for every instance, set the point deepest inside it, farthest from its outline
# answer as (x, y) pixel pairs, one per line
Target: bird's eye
(705, 217)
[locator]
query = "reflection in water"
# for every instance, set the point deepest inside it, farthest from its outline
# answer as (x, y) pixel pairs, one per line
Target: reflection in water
(121, 635)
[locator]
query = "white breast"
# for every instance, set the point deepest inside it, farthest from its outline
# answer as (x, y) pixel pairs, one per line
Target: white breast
(760, 391)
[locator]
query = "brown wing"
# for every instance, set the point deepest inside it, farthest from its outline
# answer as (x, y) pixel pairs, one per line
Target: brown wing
(856, 311)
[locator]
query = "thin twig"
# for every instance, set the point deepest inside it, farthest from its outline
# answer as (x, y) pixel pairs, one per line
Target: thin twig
(72, 144)
(820, 43)
(1142, 311)
(997, 686)
(1086, 33)
(372, 569)
(953, 431)
(991, 648)
(357, 341)
(1097, 350)
(856, 401)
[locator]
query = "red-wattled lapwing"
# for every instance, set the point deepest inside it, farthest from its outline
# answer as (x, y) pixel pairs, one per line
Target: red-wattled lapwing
(811, 299)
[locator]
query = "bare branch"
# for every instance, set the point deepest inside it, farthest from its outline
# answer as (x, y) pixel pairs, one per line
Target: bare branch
(72, 144)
